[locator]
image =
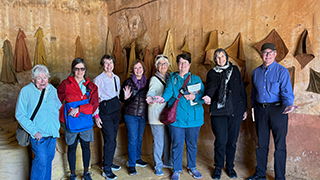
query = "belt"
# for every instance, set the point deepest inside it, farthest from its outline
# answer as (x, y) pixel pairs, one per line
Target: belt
(267, 105)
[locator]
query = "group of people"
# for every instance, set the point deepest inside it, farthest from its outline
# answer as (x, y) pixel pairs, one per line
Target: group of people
(272, 99)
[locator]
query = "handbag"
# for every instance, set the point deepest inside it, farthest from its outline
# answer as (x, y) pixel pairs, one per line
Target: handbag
(81, 123)
(109, 106)
(22, 136)
(169, 114)
(227, 110)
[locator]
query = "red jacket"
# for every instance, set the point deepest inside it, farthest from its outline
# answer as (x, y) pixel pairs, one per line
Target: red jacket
(69, 91)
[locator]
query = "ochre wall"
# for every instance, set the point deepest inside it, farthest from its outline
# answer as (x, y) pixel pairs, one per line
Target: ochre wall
(147, 22)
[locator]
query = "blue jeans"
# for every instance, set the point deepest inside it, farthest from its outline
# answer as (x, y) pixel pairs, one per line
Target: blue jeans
(44, 151)
(161, 146)
(135, 128)
(178, 137)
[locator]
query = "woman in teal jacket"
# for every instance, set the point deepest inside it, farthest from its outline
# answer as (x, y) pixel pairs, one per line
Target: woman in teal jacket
(189, 115)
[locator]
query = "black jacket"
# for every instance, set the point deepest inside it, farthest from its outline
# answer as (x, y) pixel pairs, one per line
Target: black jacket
(236, 90)
(136, 105)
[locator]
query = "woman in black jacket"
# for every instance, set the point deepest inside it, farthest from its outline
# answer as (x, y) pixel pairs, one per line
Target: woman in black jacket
(226, 95)
(134, 93)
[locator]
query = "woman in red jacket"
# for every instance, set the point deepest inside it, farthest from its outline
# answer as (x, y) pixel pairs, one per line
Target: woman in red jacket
(77, 89)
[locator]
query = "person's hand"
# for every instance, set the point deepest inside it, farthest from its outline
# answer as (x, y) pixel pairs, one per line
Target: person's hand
(190, 96)
(73, 112)
(245, 115)
(127, 92)
(289, 109)
(207, 99)
(38, 136)
(158, 99)
(149, 100)
(99, 122)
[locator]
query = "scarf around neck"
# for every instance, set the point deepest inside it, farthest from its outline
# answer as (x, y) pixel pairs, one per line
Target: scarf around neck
(225, 72)
(164, 79)
(139, 83)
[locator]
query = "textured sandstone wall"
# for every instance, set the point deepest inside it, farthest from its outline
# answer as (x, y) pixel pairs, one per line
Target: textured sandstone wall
(255, 20)
(147, 22)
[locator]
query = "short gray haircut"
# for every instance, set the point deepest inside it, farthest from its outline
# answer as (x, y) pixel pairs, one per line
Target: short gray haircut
(39, 68)
(161, 57)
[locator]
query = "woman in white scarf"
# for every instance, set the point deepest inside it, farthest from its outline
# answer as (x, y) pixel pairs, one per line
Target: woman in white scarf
(226, 95)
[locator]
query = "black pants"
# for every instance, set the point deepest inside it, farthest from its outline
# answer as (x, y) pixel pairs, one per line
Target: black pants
(271, 119)
(110, 125)
(85, 146)
(226, 130)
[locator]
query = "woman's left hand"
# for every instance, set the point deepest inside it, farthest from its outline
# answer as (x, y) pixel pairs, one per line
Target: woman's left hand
(74, 112)
(245, 114)
(190, 96)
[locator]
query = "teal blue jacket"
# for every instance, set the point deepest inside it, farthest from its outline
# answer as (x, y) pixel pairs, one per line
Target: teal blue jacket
(46, 120)
(187, 115)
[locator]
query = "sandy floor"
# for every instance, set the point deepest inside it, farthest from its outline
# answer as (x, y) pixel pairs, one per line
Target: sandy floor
(204, 166)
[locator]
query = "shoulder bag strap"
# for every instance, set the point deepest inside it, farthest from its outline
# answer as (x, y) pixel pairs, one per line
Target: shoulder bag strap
(115, 84)
(184, 85)
(38, 105)
(163, 83)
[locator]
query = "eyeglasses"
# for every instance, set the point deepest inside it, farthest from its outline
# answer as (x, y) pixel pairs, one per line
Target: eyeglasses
(41, 78)
(267, 53)
(162, 64)
(79, 69)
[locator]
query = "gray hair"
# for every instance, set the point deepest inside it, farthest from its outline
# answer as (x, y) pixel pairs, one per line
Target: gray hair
(37, 69)
(161, 57)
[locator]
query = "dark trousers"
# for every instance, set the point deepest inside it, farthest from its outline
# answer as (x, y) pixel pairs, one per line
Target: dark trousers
(226, 130)
(271, 119)
(86, 153)
(110, 126)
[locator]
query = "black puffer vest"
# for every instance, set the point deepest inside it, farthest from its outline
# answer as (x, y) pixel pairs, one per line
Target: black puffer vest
(136, 105)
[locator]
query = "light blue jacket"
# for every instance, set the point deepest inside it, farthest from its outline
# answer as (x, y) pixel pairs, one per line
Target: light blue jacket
(46, 120)
(187, 115)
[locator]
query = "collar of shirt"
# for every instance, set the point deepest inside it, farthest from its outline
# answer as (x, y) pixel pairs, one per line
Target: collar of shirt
(83, 87)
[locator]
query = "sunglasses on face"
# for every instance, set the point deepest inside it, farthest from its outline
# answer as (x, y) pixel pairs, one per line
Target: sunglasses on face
(79, 69)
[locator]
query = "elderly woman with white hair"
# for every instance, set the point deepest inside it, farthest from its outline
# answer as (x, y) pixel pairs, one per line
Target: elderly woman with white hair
(44, 128)
(160, 132)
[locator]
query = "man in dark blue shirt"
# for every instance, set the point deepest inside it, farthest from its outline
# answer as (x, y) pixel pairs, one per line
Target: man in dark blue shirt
(272, 99)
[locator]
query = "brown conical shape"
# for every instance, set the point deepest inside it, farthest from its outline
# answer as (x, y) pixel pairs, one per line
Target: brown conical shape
(314, 81)
(185, 48)
(274, 38)
(236, 52)
(146, 60)
(211, 47)
(118, 57)
(21, 54)
(109, 43)
(132, 57)
(304, 53)
(40, 54)
(169, 52)
(7, 73)
(79, 51)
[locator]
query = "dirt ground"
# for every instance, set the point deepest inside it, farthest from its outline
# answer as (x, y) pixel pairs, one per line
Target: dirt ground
(204, 166)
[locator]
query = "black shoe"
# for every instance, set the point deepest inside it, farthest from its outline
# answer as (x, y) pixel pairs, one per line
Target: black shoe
(256, 177)
(217, 173)
(141, 163)
(115, 167)
(231, 173)
(109, 175)
(132, 171)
